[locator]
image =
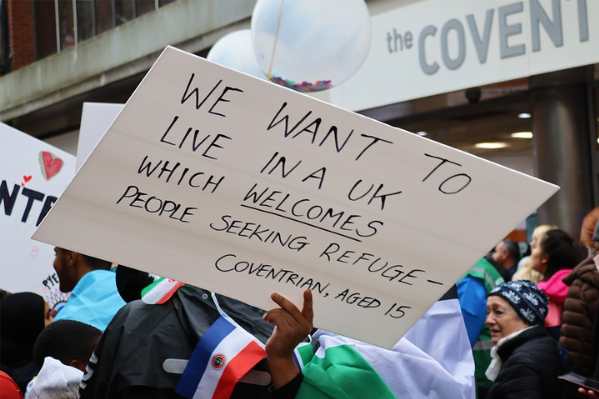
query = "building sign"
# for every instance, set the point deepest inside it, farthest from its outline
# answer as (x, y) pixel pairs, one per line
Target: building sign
(437, 46)
(240, 186)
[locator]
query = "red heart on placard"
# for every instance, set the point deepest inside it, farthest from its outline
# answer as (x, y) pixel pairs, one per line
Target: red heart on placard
(50, 164)
(26, 178)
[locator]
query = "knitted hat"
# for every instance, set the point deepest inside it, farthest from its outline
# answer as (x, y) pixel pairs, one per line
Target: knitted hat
(526, 298)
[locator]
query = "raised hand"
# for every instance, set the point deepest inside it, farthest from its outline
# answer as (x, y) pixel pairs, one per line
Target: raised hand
(291, 327)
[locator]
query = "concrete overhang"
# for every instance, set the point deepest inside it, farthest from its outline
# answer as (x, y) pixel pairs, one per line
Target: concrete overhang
(123, 54)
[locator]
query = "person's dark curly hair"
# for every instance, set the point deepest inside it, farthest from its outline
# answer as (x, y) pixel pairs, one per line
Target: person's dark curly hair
(65, 341)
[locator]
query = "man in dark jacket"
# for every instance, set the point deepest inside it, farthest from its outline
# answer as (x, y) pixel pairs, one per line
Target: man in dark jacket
(145, 349)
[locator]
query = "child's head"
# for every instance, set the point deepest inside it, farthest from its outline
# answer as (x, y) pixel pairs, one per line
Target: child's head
(68, 341)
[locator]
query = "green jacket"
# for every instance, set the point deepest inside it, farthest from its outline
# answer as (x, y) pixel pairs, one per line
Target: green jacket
(481, 351)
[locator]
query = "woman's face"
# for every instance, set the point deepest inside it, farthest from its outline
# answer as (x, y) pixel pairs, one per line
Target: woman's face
(534, 243)
(48, 315)
(502, 318)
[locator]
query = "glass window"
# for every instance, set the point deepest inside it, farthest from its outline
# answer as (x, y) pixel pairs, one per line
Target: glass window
(45, 28)
(104, 15)
(143, 7)
(77, 20)
(123, 11)
(65, 24)
(85, 20)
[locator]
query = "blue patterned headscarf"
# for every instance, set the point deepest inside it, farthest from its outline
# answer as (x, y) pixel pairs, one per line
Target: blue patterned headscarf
(526, 298)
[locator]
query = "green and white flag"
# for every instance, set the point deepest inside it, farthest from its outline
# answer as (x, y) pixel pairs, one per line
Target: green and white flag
(433, 360)
(338, 371)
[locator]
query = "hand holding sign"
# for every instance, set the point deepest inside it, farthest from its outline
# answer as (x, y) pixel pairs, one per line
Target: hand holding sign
(239, 186)
(292, 326)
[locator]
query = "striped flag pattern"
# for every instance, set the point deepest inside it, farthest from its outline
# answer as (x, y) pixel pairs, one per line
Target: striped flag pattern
(160, 291)
(224, 354)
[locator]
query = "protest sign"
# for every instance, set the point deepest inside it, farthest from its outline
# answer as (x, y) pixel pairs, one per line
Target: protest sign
(96, 118)
(33, 175)
(237, 185)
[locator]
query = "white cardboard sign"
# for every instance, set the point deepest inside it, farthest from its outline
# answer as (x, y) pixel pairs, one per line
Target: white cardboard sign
(33, 174)
(96, 118)
(240, 186)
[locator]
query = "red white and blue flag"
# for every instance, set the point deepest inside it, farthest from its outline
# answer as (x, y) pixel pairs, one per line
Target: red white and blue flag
(224, 354)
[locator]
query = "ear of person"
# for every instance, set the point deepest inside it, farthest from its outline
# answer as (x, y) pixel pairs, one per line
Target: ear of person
(71, 257)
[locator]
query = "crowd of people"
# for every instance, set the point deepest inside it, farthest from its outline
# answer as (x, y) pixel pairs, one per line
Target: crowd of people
(509, 329)
(532, 318)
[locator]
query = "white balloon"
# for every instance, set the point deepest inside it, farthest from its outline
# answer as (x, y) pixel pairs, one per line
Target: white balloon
(235, 51)
(310, 45)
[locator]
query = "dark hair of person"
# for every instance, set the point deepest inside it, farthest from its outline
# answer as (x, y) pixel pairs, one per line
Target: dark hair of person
(66, 340)
(21, 322)
(97, 264)
(560, 251)
(512, 248)
(130, 282)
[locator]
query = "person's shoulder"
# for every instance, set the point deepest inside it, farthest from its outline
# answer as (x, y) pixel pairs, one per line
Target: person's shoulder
(139, 312)
(536, 343)
(135, 319)
(539, 358)
(585, 272)
(92, 278)
(471, 285)
(101, 274)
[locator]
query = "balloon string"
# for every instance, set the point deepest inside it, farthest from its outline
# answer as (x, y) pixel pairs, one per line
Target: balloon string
(274, 47)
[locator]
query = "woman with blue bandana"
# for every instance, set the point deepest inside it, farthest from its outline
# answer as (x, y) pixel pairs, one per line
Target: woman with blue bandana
(526, 359)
